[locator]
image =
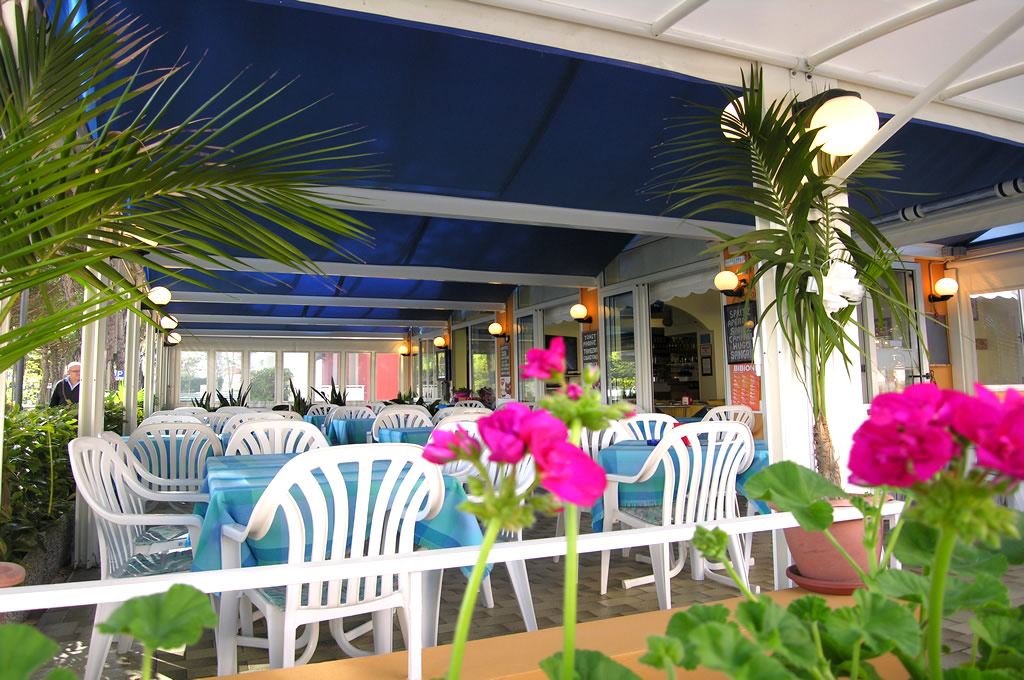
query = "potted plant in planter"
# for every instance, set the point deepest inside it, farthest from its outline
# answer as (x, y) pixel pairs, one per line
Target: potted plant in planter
(765, 159)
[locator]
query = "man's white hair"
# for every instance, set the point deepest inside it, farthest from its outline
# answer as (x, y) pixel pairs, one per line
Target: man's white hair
(72, 365)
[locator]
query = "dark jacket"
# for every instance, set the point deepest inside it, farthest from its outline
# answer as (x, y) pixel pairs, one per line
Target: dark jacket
(64, 393)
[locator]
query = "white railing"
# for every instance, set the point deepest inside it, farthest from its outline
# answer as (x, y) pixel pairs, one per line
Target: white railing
(94, 592)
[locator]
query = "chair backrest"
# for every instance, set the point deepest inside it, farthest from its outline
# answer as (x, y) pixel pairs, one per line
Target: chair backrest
(404, 407)
(238, 418)
(446, 413)
(287, 415)
(319, 409)
(165, 412)
(101, 478)
(177, 418)
(235, 409)
(710, 456)
(737, 413)
(275, 436)
(375, 406)
(400, 417)
(175, 452)
(190, 409)
(592, 441)
(462, 415)
(649, 425)
(353, 501)
(460, 469)
(216, 421)
(471, 403)
(352, 413)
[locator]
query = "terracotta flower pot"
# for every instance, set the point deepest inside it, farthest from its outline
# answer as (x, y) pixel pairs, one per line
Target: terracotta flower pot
(819, 563)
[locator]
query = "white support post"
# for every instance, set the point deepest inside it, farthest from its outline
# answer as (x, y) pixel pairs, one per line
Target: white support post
(90, 423)
(149, 367)
(131, 373)
(5, 326)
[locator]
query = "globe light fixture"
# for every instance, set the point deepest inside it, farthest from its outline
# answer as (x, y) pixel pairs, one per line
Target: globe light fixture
(439, 341)
(847, 122)
(497, 330)
(168, 322)
(944, 288)
(580, 313)
(403, 349)
(159, 296)
(172, 339)
(729, 284)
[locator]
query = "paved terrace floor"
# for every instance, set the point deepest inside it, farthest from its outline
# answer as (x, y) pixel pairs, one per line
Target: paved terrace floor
(71, 627)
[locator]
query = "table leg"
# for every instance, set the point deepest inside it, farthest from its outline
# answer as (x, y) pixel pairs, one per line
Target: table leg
(431, 605)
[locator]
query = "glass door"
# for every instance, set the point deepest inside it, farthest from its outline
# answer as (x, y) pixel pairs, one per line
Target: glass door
(619, 374)
(895, 356)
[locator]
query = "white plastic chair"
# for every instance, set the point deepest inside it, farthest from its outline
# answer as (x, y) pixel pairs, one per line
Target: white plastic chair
(235, 409)
(404, 407)
(471, 403)
(736, 413)
(366, 521)
(182, 418)
(275, 436)
(175, 453)
(239, 418)
(459, 469)
(500, 403)
(649, 425)
(446, 413)
(346, 413)
(103, 481)
(375, 406)
(710, 457)
(216, 421)
(399, 417)
(191, 409)
(319, 409)
(288, 415)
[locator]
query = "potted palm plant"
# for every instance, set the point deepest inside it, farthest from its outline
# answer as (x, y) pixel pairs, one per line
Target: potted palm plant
(821, 255)
(97, 183)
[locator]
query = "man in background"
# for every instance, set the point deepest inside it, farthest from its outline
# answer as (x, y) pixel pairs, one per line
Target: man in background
(66, 391)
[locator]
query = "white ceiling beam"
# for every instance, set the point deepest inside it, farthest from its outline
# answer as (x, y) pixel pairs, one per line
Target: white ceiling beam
(674, 16)
(381, 271)
(878, 30)
(330, 301)
(902, 117)
(507, 212)
(308, 321)
(982, 81)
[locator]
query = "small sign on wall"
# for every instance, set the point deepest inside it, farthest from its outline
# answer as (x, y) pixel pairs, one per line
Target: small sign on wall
(745, 386)
(504, 370)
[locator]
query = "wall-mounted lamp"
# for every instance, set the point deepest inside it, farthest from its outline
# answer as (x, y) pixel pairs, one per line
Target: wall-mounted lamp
(403, 349)
(159, 295)
(580, 313)
(497, 330)
(847, 122)
(168, 323)
(439, 341)
(172, 339)
(730, 285)
(945, 288)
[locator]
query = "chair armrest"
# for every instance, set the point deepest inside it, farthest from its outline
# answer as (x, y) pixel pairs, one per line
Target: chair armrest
(623, 479)
(234, 532)
(231, 538)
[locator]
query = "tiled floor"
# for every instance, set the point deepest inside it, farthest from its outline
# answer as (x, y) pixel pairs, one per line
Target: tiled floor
(70, 627)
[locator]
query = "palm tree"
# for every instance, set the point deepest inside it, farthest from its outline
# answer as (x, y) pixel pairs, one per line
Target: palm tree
(769, 165)
(95, 183)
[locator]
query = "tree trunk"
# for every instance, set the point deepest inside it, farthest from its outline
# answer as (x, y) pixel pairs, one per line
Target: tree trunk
(825, 452)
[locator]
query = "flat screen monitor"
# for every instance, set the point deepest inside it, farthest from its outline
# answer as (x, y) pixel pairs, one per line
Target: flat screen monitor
(572, 358)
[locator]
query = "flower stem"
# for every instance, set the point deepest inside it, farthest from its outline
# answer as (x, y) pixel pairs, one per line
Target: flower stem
(943, 556)
(469, 599)
(572, 528)
(147, 662)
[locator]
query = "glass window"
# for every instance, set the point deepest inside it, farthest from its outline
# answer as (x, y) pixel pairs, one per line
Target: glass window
(262, 370)
(483, 362)
(388, 371)
(357, 375)
(527, 389)
(896, 359)
(193, 376)
(428, 369)
(326, 369)
(998, 331)
(296, 370)
(620, 340)
(229, 372)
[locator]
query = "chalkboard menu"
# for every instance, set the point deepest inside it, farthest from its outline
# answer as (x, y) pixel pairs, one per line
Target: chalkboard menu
(590, 354)
(739, 337)
(505, 361)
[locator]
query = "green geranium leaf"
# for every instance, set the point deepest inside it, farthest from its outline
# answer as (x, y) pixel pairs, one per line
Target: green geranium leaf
(999, 632)
(723, 647)
(776, 629)
(810, 608)
(970, 561)
(903, 585)
(23, 650)
(916, 544)
(663, 652)
(985, 592)
(682, 624)
(1013, 548)
(171, 619)
(887, 623)
(590, 665)
(978, 674)
(794, 488)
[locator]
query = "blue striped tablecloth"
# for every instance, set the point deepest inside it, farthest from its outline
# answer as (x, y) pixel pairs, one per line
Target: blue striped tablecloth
(408, 435)
(626, 457)
(351, 431)
(235, 484)
(316, 420)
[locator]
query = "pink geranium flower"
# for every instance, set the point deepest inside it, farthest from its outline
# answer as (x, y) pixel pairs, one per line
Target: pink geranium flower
(997, 429)
(921, 404)
(887, 455)
(569, 473)
(573, 391)
(545, 363)
(446, 446)
(501, 433)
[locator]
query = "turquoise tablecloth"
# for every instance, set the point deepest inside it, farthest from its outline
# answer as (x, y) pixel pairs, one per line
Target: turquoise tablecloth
(235, 484)
(316, 420)
(408, 435)
(352, 431)
(626, 458)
